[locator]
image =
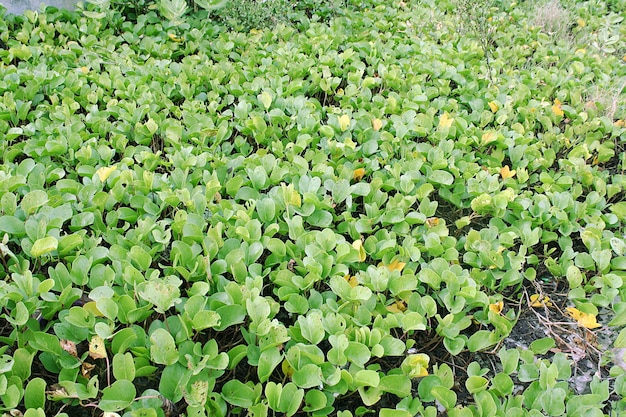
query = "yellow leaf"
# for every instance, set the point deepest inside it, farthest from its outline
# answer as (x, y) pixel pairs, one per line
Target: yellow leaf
(493, 106)
(556, 108)
(84, 70)
(584, 319)
(344, 122)
(175, 38)
(506, 172)
(581, 22)
(619, 123)
(358, 174)
(395, 266)
(496, 307)
(358, 245)
(445, 121)
(537, 300)
(397, 307)
(96, 348)
(377, 124)
(432, 221)
(104, 172)
(351, 279)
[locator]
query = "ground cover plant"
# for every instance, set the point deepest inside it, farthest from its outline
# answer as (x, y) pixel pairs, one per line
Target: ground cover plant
(393, 208)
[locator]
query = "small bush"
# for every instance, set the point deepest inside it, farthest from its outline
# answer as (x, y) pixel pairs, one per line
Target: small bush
(244, 15)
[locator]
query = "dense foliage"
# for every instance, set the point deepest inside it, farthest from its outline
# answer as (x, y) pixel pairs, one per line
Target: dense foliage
(325, 217)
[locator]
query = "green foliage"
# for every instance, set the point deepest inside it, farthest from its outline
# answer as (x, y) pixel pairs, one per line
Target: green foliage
(245, 15)
(304, 220)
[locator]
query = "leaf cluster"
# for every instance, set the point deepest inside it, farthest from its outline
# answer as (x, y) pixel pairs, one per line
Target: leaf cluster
(305, 220)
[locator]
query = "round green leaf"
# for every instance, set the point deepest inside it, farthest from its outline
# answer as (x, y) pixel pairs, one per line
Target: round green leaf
(118, 396)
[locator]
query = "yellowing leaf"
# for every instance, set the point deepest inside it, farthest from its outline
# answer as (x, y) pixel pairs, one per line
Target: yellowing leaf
(415, 365)
(358, 174)
(266, 99)
(432, 221)
(496, 307)
(358, 245)
(581, 22)
(84, 70)
(291, 195)
(556, 108)
(377, 124)
(584, 319)
(175, 38)
(488, 137)
(537, 300)
(619, 123)
(493, 106)
(344, 122)
(506, 172)
(445, 121)
(96, 348)
(395, 265)
(91, 307)
(287, 368)
(104, 172)
(350, 279)
(397, 307)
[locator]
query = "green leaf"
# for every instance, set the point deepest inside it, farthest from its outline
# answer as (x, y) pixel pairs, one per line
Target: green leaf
(441, 177)
(388, 412)
(163, 348)
(445, 396)
(163, 293)
(211, 4)
(258, 309)
(308, 376)
(291, 399)
(399, 385)
(553, 401)
(311, 327)
(173, 9)
(35, 394)
(44, 246)
(619, 209)
(366, 378)
(12, 225)
(45, 342)
(33, 200)
(542, 346)
(205, 319)
(476, 384)
(123, 366)
(118, 396)
(238, 394)
(481, 340)
(268, 361)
